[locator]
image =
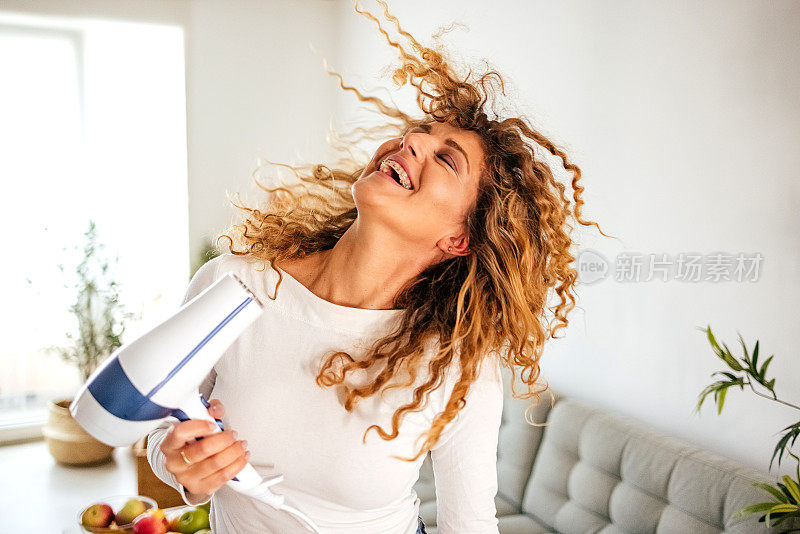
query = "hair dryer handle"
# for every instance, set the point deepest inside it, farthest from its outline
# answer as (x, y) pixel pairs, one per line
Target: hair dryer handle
(196, 407)
(247, 481)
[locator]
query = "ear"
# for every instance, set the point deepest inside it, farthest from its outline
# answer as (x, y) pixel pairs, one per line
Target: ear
(459, 245)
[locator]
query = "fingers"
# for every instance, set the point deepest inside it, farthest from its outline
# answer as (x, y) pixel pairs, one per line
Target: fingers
(216, 409)
(185, 432)
(199, 451)
(207, 476)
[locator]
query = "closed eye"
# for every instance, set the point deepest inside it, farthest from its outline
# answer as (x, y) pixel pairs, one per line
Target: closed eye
(448, 161)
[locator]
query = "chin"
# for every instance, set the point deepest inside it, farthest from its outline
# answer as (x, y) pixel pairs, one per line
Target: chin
(375, 207)
(371, 191)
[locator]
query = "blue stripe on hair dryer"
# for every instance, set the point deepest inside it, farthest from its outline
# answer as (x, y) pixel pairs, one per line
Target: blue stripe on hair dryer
(156, 376)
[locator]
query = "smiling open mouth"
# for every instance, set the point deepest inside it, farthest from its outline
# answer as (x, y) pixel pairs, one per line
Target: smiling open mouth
(398, 174)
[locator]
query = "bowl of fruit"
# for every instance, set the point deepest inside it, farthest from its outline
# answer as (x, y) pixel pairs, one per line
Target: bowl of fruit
(114, 514)
(176, 520)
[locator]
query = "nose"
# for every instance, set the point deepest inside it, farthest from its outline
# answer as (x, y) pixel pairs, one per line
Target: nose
(417, 145)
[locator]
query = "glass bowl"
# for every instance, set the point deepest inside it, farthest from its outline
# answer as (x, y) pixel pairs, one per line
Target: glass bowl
(116, 502)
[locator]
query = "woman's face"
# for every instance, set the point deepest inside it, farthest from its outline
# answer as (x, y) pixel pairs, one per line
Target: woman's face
(442, 165)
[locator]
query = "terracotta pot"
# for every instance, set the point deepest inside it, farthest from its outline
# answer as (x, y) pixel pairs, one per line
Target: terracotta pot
(69, 443)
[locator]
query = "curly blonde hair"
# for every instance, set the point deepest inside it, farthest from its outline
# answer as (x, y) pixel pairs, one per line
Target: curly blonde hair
(491, 301)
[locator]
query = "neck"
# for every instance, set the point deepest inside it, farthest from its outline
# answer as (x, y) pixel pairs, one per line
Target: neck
(364, 270)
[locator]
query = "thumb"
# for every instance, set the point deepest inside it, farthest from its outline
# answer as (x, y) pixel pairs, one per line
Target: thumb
(215, 408)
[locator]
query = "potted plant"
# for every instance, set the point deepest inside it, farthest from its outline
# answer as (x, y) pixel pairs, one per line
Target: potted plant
(207, 252)
(785, 503)
(100, 322)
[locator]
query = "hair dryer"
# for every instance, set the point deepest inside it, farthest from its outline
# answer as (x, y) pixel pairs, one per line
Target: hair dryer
(157, 376)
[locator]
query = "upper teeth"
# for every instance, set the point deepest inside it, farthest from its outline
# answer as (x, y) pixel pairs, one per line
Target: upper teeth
(404, 181)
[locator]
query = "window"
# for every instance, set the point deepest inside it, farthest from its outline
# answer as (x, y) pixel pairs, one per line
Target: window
(92, 126)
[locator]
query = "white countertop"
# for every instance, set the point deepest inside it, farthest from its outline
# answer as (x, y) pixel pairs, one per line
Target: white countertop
(39, 495)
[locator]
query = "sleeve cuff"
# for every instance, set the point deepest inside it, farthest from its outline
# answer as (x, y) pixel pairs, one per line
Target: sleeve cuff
(157, 461)
(193, 499)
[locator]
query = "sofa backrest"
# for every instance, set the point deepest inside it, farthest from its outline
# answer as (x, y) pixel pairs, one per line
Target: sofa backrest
(606, 473)
(518, 441)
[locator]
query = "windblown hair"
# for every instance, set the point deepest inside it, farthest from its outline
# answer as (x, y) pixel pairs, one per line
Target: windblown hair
(489, 302)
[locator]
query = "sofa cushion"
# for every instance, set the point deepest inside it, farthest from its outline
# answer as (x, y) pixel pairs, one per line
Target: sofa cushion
(598, 472)
(518, 440)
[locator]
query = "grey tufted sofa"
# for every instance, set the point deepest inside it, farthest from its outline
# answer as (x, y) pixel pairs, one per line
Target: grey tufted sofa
(589, 471)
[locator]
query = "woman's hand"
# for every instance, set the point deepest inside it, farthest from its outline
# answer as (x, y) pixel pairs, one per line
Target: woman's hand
(215, 459)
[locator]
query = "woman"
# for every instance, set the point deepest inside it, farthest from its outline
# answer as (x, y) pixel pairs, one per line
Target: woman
(393, 292)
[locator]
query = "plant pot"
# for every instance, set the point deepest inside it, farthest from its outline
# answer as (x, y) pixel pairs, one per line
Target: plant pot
(69, 443)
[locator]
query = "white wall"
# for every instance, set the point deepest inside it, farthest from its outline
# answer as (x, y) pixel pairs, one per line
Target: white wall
(255, 89)
(684, 120)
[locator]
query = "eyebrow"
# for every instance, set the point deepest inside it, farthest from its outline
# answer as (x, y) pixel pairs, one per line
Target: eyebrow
(449, 142)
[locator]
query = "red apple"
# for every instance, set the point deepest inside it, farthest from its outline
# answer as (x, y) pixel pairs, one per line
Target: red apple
(98, 515)
(150, 523)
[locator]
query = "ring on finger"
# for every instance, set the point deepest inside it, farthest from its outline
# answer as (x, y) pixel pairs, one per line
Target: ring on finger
(185, 459)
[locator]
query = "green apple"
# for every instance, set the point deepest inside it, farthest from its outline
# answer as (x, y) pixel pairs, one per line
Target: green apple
(129, 512)
(206, 507)
(191, 521)
(204, 531)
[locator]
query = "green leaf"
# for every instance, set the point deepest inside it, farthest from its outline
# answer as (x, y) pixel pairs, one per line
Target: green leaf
(730, 360)
(699, 403)
(729, 375)
(708, 389)
(784, 508)
(744, 347)
(755, 508)
(785, 491)
(763, 370)
(755, 356)
(772, 491)
(713, 342)
(793, 488)
(721, 400)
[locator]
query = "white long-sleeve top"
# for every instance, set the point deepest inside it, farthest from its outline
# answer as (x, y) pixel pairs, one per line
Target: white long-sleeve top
(266, 381)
